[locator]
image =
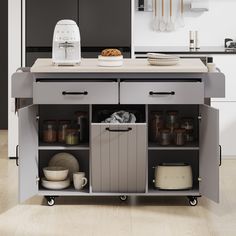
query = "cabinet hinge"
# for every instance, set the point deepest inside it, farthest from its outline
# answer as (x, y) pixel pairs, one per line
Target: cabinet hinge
(37, 179)
(37, 118)
(199, 117)
(199, 179)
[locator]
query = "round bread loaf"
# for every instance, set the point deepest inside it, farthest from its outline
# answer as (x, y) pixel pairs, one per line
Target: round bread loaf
(111, 52)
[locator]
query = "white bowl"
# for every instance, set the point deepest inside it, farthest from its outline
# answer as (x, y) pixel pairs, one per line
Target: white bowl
(56, 185)
(55, 173)
(110, 61)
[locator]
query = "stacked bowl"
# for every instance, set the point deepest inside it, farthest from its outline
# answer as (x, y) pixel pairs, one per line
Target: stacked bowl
(56, 178)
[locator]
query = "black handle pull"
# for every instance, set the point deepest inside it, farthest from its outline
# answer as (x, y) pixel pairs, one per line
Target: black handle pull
(220, 155)
(118, 130)
(17, 155)
(161, 93)
(74, 93)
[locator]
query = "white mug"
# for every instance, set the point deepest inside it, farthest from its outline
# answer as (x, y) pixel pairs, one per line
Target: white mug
(79, 180)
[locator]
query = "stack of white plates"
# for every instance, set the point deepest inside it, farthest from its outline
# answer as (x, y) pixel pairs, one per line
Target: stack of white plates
(158, 59)
(113, 61)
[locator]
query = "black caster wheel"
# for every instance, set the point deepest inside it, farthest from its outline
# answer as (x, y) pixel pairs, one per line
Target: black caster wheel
(50, 201)
(193, 201)
(123, 198)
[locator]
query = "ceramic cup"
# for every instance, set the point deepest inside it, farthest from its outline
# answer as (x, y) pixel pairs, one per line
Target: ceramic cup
(79, 180)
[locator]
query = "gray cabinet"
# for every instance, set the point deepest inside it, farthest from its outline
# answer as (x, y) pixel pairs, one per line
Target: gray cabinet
(119, 157)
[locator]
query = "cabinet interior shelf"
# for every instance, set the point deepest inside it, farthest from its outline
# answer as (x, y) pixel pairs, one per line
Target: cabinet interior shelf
(59, 146)
(71, 191)
(158, 192)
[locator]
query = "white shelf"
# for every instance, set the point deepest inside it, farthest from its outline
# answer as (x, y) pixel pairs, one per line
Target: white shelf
(44, 146)
(65, 192)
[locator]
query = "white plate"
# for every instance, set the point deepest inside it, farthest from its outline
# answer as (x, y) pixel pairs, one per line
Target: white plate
(67, 161)
(161, 56)
(57, 185)
(163, 63)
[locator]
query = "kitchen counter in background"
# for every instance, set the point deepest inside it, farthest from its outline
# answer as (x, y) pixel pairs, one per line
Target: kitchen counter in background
(183, 50)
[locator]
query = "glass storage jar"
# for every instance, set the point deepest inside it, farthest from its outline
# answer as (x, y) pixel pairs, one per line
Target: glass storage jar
(72, 135)
(172, 121)
(188, 125)
(179, 137)
(49, 131)
(156, 124)
(82, 121)
(165, 137)
(62, 128)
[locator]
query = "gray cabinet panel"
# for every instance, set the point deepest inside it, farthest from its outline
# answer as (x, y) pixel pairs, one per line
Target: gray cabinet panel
(105, 23)
(96, 158)
(209, 153)
(28, 152)
(181, 93)
(141, 140)
(42, 16)
(119, 158)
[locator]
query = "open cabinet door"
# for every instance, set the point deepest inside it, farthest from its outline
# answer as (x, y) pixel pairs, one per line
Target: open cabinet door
(28, 152)
(209, 153)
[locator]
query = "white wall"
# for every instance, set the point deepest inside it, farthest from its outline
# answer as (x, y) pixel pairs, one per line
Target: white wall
(213, 26)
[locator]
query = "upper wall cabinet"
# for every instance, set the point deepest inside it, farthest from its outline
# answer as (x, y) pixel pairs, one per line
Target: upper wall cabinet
(105, 23)
(42, 16)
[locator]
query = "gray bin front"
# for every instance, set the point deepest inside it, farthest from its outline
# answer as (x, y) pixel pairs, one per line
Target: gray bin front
(119, 158)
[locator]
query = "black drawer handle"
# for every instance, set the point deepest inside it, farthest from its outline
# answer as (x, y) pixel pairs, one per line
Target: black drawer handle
(220, 155)
(161, 93)
(118, 130)
(74, 93)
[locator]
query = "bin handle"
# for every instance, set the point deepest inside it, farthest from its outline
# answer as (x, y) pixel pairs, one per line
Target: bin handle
(118, 130)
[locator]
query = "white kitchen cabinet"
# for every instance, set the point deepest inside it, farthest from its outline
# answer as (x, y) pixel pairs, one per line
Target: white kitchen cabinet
(227, 127)
(227, 63)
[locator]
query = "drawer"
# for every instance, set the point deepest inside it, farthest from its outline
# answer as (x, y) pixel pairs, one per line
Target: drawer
(161, 93)
(118, 155)
(75, 93)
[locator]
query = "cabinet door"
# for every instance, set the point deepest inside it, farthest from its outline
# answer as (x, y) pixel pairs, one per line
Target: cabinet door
(42, 16)
(28, 152)
(119, 154)
(209, 153)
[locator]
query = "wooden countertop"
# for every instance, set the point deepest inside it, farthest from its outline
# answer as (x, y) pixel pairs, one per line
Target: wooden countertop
(130, 66)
